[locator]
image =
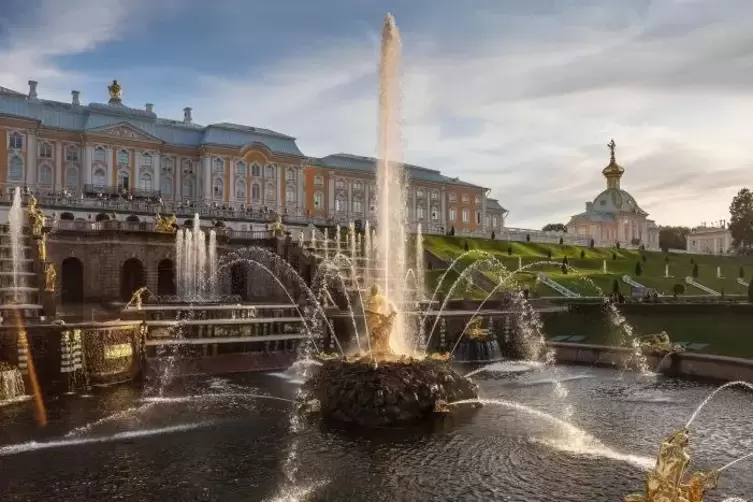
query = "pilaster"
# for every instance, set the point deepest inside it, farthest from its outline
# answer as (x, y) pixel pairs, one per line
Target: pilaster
(32, 152)
(206, 175)
(58, 166)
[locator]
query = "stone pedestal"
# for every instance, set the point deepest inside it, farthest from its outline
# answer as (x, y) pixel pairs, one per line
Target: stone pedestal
(49, 307)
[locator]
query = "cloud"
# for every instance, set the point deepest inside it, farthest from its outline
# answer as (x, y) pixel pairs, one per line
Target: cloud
(518, 98)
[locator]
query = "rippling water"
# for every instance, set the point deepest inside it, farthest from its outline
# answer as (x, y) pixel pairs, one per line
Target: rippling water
(212, 440)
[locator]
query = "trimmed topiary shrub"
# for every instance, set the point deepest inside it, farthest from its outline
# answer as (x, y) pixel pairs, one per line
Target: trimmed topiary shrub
(638, 269)
(695, 270)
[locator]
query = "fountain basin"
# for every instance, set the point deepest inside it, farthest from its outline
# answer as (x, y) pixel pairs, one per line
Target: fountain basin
(478, 351)
(362, 393)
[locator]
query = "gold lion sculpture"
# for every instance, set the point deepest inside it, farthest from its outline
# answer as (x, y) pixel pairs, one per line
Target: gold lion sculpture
(664, 481)
(166, 223)
(277, 227)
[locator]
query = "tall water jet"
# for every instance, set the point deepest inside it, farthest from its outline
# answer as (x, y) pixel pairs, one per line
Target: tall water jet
(212, 264)
(419, 270)
(15, 231)
(196, 263)
(391, 183)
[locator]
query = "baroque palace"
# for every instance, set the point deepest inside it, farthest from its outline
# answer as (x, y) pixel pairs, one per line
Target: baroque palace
(108, 160)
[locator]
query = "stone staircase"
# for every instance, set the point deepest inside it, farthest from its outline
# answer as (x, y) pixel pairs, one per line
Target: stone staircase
(559, 288)
(689, 280)
(19, 289)
(742, 282)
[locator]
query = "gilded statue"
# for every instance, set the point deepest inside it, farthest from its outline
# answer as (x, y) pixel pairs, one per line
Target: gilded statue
(36, 217)
(475, 331)
(277, 227)
(664, 481)
(49, 277)
(42, 248)
(659, 343)
(380, 318)
(115, 91)
(165, 223)
(137, 297)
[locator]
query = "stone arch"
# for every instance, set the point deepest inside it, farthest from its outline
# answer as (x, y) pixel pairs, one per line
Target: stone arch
(132, 218)
(132, 277)
(102, 217)
(239, 280)
(72, 281)
(166, 277)
(67, 216)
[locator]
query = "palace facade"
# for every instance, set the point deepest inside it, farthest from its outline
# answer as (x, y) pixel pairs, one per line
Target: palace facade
(614, 216)
(138, 163)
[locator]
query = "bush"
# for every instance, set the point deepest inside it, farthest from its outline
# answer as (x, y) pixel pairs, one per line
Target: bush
(509, 250)
(582, 253)
(741, 273)
(692, 261)
(465, 246)
(591, 244)
(750, 291)
(695, 270)
(678, 289)
(617, 245)
(614, 256)
(644, 258)
(638, 269)
(666, 259)
(562, 241)
(616, 287)
(528, 237)
(549, 253)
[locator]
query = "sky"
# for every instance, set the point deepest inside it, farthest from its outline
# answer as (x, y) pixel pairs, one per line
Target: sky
(521, 97)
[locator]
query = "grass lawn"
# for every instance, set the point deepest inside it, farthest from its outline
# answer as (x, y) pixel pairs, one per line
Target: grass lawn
(590, 262)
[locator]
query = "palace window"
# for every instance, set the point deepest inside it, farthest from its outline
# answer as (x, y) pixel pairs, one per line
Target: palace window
(255, 170)
(318, 200)
(71, 154)
(341, 205)
(98, 177)
(488, 220)
(123, 157)
(452, 197)
(434, 214)
(16, 141)
(466, 199)
(290, 194)
(240, 169)
(420, 212)
(71, 177)
(218, 187)
(420, 193)
(99, 154)
(340, 184)
(45, 175)
(255, 192)
(478, 217)
(318, 180)
(146, 160)
(187, 167)
(240, 189)
(434, 195)
(357, 185)
(166, 185)
(357, 206)
(187, 189)
(477, 200)
(145, 181)
(494, 221)
(289, 174)
(269, 172)
(270, 193)
(219, 166)
(45, 151)
(465, 216)
(167, 165)
(16, 169)
(123, 180)
(453, 214)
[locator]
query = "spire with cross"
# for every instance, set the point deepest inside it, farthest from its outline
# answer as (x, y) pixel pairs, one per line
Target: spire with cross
(613, 172)
(611, 146)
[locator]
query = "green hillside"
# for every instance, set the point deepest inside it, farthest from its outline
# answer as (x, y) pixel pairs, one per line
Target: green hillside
(588, 276)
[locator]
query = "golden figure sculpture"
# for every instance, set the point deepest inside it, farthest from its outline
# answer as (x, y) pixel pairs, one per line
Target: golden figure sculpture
(277, 227)
(137, 298)
(115, 91)
(36, 217)
(49, 277)
(475, 331)
(659, 343)
(42, 248)
(380, 317)
(664, 481)
(165, 223)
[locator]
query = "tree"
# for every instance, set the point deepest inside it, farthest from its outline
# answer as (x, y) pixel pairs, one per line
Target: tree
(644, 257)
(528, 237)
(617, 245)
(750, 291)
(555, 227)
(695, 270)
(673, 238)
(562, 241)
(638, 269)
(549, 254)
(614, 255)
(509, 250)
(741, 273)
(465, 246)
(615, 287)
(591, 244)
(741, 221)
(582, 253)
(678, 289)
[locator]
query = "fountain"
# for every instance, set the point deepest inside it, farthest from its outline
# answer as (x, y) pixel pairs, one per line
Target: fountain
(666, 271)
(604, 267)
(196, 263)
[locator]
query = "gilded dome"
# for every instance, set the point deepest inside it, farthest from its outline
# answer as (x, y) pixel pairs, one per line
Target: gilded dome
(615, 200)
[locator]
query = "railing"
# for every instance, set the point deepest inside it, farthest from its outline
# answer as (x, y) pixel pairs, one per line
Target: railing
(702, 287)
(559, 288)
(120, 191)
(742, 282)
(632, 282)
(145, 226)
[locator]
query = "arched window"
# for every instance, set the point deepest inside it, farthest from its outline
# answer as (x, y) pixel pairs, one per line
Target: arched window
(98, 177)
(123, 158)
(218, 187)
(45, 151)
(16, 141)
(167, 165)
(453, 214)
(219, 166)
(255, 170)
(255, 192)
(71, 177)
(187, 167)
(187, 190)
(269, 171)
(290, 195)
(146, 160)
(319, 180)
(240, 189)
(16, 169)
(71, 154)
(318, 200)
(269, 193)
(420, 212)
(465, 215)
(166, 185)
(341, 205)
(240, 169)
(290, 174)
(123, 179)
(145, 181)
(434, 213)
(45, 174)
(357, 206)
(99, 154)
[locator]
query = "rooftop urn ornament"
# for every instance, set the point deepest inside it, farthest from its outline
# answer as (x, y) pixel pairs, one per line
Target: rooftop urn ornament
(115, 92)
